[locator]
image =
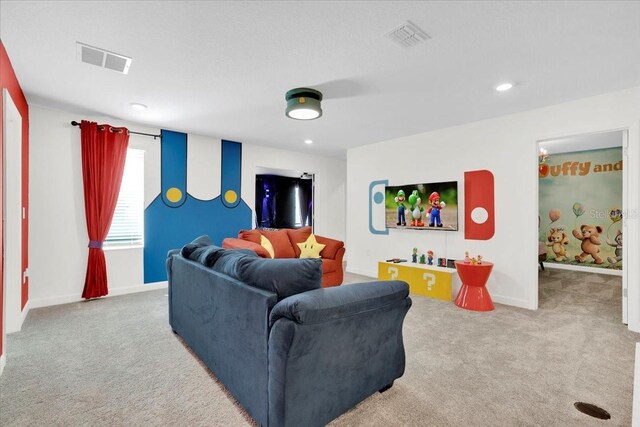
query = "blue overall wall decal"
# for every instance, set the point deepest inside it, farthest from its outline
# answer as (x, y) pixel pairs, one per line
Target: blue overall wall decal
(175, 217)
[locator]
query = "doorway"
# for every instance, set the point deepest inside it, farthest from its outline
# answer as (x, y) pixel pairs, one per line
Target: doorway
(283, 199)
(581, 200)
(12, 211)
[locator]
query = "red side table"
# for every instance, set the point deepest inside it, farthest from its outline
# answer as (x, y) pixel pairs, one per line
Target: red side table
(473, 295)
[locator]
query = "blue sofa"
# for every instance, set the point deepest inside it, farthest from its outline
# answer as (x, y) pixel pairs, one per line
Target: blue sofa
(294, 355)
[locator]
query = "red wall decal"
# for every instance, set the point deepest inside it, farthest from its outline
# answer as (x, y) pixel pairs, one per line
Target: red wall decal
(479, 207)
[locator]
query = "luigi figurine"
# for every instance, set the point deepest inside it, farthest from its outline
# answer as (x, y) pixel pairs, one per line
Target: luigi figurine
(399, 199)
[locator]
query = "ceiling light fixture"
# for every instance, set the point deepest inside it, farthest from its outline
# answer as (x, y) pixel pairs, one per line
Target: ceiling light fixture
(504, 87)
(308, 141)
(138, 107)
(303, 103)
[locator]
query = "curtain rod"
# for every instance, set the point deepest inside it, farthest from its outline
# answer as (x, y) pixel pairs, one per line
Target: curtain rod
(74, 123)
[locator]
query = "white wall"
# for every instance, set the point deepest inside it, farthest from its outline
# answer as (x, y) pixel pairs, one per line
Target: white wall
(58, 237)
(507, 146)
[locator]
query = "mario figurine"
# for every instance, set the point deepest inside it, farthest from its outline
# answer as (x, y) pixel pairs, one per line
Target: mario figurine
(430, 258)
(434, 210)
(399, 199)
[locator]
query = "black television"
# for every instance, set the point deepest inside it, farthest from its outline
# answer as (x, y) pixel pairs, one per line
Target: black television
(426, 206)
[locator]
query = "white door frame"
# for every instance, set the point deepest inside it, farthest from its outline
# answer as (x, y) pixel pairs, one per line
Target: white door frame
(13, 215)
(625, 209)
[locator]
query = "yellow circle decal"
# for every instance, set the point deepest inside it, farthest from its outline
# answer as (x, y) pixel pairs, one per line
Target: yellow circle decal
(230, 196)
(174, 194)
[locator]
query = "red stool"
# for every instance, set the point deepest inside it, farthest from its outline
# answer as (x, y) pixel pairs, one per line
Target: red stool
(473, 295)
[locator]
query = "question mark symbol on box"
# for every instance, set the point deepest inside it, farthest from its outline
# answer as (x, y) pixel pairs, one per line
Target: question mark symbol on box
(431, 280)
(394, 272)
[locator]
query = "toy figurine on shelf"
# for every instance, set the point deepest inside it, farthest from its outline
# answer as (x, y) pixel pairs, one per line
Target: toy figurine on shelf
(399, 199)
(467, 260)
(430, 257)
(479, 259)
(414, 257)
(422, 259)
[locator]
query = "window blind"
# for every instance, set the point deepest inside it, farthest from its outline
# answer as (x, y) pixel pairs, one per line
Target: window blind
(128, 219)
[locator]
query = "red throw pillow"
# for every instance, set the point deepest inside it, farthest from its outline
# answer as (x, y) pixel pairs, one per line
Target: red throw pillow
(280, 241)
(296, 236)
(331, 248)
(250, 235)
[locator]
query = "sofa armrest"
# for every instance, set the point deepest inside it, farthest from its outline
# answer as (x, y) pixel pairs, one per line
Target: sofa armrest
(327, 304)
(233, 243)
(331, 348)
(332, 246)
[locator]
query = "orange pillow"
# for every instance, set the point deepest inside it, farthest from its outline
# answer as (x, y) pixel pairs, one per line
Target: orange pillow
(331, 246)
(250, 235)
(280, 241)
(296, 236)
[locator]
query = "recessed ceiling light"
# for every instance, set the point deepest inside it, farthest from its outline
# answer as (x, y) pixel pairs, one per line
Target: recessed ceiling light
(308, 141)
(138, 107)
(504, 87)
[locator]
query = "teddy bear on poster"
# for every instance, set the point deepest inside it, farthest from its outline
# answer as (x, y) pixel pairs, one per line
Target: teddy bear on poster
(617, 244)
(558, 239)
(589, 235)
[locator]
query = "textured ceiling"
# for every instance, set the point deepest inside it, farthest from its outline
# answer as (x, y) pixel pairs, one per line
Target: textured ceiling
(222, 68)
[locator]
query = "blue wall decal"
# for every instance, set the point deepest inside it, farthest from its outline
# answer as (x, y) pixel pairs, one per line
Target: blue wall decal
(175, 217)
(173, 167)
(376, 197)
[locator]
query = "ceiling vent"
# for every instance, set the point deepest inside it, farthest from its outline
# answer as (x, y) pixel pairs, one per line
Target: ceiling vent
(102, 58)
(407, 35)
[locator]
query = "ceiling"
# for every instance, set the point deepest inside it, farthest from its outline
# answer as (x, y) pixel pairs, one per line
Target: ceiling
(222, 68)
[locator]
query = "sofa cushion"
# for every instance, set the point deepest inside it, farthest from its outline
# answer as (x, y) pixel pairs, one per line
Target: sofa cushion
(199, 242)
(250, 235)
(266, 244)
(201, 250)
(233, 243)
(281, 244)
(310, 248)
(331, 248)
(285, 277)
(227, 261)
(298, 236)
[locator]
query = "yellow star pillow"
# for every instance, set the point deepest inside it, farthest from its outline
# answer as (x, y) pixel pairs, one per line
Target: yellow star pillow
(310, 248)
(266, 243)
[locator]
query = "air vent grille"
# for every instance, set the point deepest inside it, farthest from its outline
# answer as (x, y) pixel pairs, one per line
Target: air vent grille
(103, 58)
(407, 35)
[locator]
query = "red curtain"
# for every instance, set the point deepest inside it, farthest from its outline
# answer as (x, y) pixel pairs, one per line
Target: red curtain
(104, 151)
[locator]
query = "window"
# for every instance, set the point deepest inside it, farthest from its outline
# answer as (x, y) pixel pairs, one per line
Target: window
(128, 220)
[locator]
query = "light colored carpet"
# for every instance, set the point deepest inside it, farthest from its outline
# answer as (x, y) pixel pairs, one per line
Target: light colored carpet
(115, 362)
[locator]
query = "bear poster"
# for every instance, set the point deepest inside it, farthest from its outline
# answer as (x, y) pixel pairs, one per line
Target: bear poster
(580, 208)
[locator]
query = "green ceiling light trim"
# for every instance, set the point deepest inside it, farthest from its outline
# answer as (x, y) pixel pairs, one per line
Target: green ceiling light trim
(303, 103)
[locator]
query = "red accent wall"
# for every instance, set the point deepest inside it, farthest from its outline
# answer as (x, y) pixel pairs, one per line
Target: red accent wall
(9, 81)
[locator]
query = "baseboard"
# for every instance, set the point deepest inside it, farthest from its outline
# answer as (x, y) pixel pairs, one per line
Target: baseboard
(3, 361)
(585, 269)
(362, 272)
(514, 302)
(25, 312)
(66, 299)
